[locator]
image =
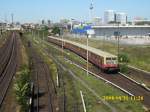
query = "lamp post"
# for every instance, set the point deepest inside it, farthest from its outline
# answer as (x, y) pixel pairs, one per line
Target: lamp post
(90, 32)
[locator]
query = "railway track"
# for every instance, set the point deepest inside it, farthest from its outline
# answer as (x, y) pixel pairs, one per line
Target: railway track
(44, 87)
(141, 76)
(5, 56)
(63, 84)
(76, 106)
(123, 82)
(63, 98)
(9, 65)
(5, 53)
(4, 44)
(145, 77)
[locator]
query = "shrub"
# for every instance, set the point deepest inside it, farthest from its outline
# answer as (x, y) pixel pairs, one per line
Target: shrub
(123, 58)
(22, 89)
(56, 30)
(124, 68)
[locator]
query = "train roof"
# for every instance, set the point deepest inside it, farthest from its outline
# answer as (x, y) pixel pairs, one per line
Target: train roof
(91, 49)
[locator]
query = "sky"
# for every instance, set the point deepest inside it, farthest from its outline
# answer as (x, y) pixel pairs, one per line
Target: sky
(36, 10)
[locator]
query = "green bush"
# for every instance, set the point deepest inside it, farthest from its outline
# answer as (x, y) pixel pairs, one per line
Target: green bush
(22, 89)
(123, 58)
(124, 68)
(56, 30)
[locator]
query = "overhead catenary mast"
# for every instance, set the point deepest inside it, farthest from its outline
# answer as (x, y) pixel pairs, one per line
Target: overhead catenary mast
(12, 18)
(5, 16)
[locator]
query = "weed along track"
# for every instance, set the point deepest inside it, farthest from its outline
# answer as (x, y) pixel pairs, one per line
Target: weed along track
(69, 99)
(67, 93)
(8, 66)
(44, 87)
(71, 75)
(121, 82)
(141, 76)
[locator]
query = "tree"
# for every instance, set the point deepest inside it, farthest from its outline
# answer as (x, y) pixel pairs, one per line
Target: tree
(123, 59)
(56, 30)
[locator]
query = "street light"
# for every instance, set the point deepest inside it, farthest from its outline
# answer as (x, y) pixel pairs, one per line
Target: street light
(90, 32)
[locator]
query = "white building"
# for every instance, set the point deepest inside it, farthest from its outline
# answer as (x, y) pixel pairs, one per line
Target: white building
(130, 31)
(109, 15)
(121, 18)
(97, 21)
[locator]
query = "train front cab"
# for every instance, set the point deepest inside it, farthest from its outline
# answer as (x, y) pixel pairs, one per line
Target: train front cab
(111, 65)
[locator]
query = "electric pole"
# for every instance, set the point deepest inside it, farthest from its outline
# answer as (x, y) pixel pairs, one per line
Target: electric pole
(12, 18)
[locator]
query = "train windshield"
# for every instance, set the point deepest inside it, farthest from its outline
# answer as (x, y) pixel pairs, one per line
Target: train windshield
(111, 60)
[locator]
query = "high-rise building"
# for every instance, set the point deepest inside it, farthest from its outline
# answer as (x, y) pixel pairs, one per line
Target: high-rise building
(49, 22)
(109, 16)
(43, 22)
(121, 18)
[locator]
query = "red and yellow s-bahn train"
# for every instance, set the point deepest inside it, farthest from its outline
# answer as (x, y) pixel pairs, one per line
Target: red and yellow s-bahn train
(105, 61)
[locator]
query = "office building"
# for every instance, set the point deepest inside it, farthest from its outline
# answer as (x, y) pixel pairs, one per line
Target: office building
(109, 16)
(121, 18)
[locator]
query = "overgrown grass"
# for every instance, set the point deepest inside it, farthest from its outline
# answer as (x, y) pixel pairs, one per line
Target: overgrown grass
(105, 90)
(4, 37)
(99, 86)
(24, 55)
(22, 82)
(73, 88)
(22, 88)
